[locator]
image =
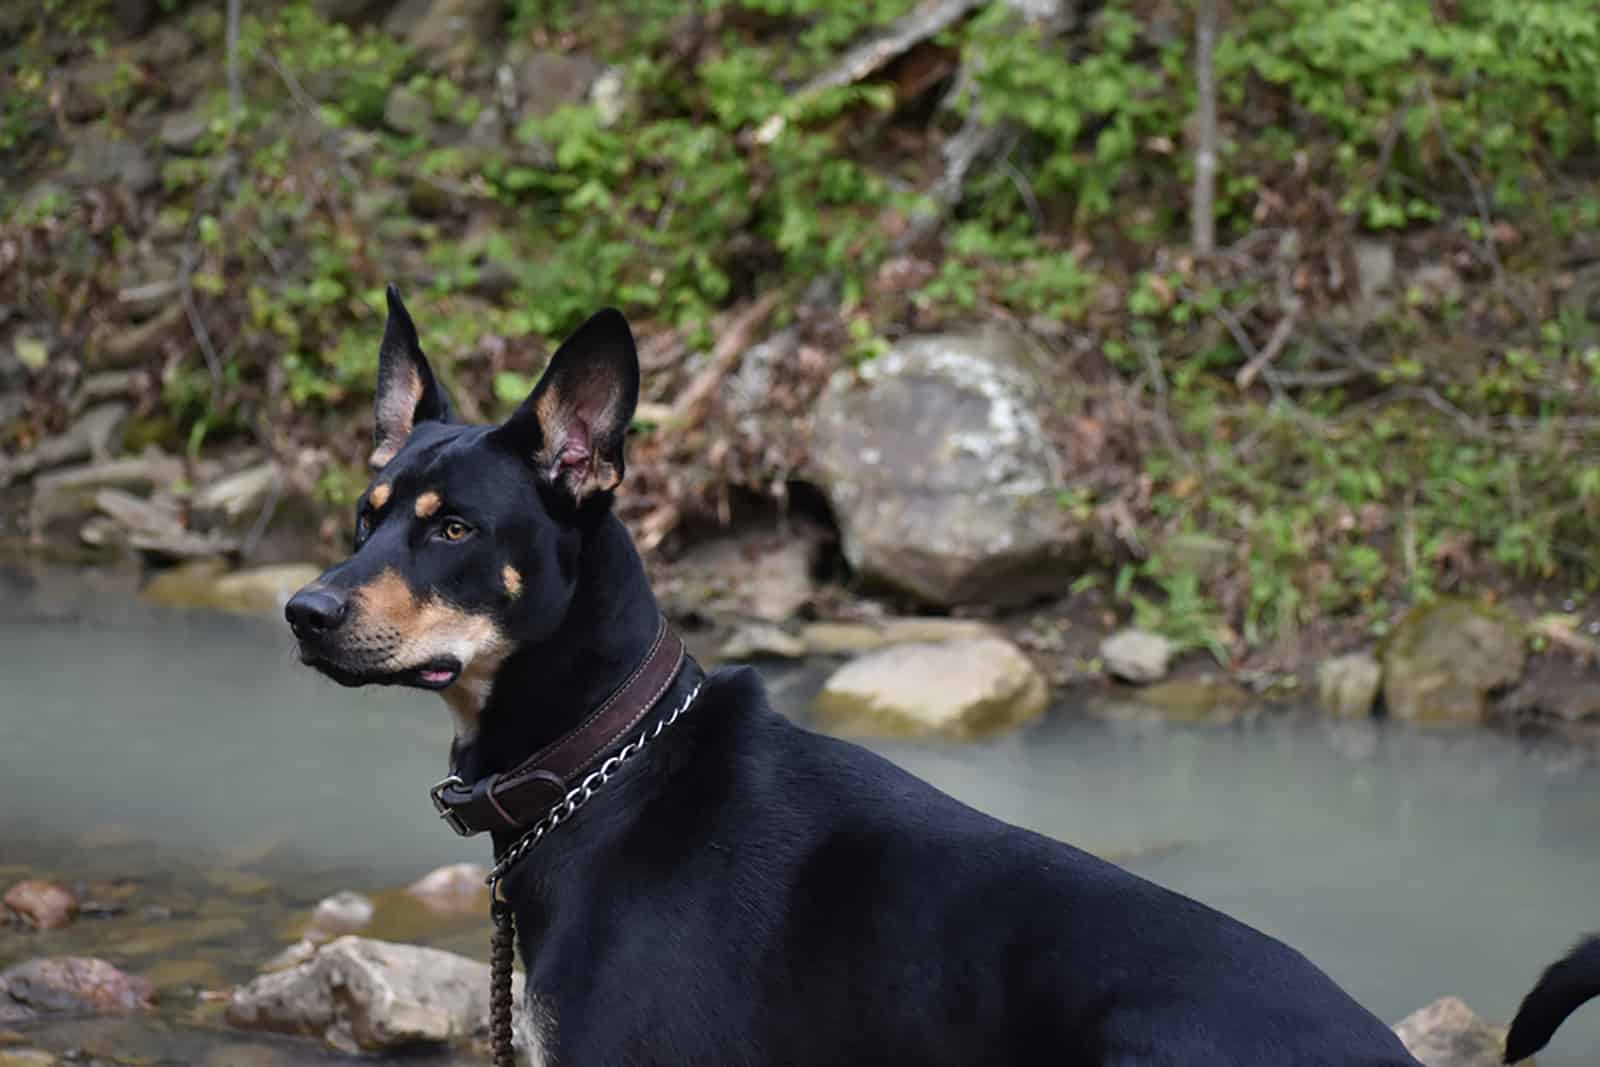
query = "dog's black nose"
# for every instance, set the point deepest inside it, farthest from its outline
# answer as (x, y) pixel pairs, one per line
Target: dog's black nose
(316, 610)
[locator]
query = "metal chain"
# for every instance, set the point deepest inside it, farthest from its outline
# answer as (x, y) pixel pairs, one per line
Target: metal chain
(502, 954)
(584, 791)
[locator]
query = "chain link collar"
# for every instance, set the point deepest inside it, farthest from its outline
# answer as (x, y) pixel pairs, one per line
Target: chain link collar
(583, 792)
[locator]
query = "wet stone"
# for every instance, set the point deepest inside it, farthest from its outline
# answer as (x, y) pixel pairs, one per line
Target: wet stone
(44, 905)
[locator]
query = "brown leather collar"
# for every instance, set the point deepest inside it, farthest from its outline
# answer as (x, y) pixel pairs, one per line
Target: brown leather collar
(516, 798)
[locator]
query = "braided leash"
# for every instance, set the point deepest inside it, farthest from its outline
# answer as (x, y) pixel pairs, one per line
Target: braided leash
(503, 943)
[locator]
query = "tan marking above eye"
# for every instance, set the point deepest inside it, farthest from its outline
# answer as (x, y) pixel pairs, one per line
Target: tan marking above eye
(427, 504)
(513, 581)
(379, 495)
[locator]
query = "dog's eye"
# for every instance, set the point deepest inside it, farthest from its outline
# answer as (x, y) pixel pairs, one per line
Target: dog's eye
(454, 530)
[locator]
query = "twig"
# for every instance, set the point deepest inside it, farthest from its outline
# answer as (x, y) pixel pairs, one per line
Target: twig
(1279, 337)
(1024, 190)
(235, 91)
(870, 56)
(729, 347)
(1203, 204)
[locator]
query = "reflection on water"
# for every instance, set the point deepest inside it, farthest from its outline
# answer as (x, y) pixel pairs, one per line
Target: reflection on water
(188, 759)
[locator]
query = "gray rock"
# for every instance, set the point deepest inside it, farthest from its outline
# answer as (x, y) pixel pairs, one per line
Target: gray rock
(362, 995)
(456, 888)
(27, 1057)
(44, 905)
(1136, 656)
(96, 433)
(100, 157)
(205, 583)
(549, 80)
(936, 462)
(182, 131)
(853, 638)
(407, 111)
(952, 689)
(70, 985)
(762, 640)
(446, 33)
(1447, 1033)
(1347, 686)
(1199, 701)
(71, 491)
(342, 913)
(1375, 270)
(1444, 660)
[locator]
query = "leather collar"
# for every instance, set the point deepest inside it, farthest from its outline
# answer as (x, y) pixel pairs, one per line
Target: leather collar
(513, 799)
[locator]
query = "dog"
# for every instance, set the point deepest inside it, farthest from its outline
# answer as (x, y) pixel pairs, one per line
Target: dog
(737, 889)
(1565, 986)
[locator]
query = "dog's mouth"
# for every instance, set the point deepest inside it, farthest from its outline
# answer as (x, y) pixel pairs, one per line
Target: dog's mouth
(437, 673)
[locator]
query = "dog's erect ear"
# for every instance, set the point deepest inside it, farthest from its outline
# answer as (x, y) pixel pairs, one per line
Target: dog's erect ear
(407, 391)
(572, 426)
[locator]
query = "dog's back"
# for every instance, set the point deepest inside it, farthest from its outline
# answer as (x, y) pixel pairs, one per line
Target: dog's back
(1565, 986)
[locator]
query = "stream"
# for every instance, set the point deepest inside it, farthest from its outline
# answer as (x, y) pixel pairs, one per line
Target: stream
(205, 791)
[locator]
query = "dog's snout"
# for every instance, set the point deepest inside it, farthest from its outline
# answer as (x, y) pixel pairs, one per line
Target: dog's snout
(315, 610)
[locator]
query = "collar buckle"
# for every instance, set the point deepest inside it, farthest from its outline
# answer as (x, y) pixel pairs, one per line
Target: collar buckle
(442, 806)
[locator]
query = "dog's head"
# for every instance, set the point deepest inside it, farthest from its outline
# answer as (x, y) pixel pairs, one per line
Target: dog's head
(467, 537)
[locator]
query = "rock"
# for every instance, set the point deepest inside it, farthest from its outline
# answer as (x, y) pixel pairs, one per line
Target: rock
(953, 689)
(238, 495)
(762, 640)
(454, 888)
(1136, 656)
(1206, 701)
(547, 81)
(27, 1057)
(408, 111)
(446, 33)
(45, 905)
(609, 97)
(342, 913)
(167, 45)
(361, 995)
(182, 131)
(292, 956)
(72, 985)
(936, 462)
(1443, 661)
(96, 433)
(1447, 1033)
(99, 157)
(1347, 686)
(205, 583)
(852, 638)
(758, 577)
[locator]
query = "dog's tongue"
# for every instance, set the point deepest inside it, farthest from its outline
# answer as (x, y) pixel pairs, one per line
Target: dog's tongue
(436, 677)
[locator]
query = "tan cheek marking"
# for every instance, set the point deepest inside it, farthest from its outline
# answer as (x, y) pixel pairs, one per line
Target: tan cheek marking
(386, 602)
(379, 496)
(427, 504)
(513, 581)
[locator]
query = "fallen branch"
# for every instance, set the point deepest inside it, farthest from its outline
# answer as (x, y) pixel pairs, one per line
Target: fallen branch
(1203, 202)
(1269, 352)
(734, 340)
(867, 58)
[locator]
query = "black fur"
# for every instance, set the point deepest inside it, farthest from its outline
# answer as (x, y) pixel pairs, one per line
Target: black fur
(1563, 988)
(750, 892)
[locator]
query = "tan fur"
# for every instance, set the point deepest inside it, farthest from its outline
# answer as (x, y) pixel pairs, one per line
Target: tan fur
(427, 504)
(396, 408)
(401, 632)
(379, 496)
(512, 579)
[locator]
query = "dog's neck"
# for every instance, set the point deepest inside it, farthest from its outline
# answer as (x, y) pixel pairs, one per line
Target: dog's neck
(545, 690)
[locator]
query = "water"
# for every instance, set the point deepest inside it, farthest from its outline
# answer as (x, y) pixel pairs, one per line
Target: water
(189, 753)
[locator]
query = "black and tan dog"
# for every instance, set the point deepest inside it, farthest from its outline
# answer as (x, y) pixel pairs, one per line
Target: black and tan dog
(742, 891)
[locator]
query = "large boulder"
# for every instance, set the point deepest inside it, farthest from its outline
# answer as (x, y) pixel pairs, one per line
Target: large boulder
(952, 689)
(1443, 661)
(70, 985)
(1347, 686)
(1447, 1033)
(935, 460)
(361, 995)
